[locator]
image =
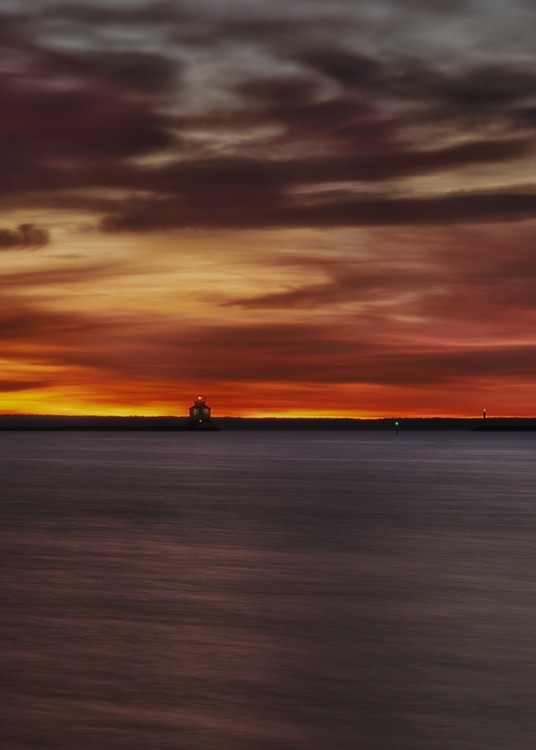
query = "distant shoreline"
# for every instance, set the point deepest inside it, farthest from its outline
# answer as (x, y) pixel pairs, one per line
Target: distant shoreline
(20, 423)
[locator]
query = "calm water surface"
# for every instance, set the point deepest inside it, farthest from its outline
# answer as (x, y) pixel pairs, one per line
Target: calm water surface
(266, 591)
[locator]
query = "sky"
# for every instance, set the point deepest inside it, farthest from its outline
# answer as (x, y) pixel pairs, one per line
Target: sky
(292, 207)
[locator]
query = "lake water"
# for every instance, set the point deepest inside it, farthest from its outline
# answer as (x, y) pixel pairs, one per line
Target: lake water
(268, 591)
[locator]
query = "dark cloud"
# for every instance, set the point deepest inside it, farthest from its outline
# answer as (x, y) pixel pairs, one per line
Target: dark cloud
(146, 72)
(286, 147)
(460, 90)
(159, 12)
(455, 366)
(304, 115)
(487, 87)
(259, 210)
(14, 386)
(82, 124)
(318, 354)
(353, 69)
(457, 208)
(61, 115)
(435, 6)
(49, 329)
(25, 237)
(524, 116)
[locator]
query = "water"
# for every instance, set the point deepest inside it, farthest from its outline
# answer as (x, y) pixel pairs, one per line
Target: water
(267, 591)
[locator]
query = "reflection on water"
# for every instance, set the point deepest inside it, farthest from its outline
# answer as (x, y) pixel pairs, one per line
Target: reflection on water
(239, 591)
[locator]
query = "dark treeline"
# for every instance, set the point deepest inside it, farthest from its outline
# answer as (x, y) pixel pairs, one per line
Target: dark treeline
(34, 422)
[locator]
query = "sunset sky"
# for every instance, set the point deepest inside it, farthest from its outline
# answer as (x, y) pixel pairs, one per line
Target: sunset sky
(293, 207)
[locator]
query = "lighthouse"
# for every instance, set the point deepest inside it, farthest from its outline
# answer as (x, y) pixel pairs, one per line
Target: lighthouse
(200, 416)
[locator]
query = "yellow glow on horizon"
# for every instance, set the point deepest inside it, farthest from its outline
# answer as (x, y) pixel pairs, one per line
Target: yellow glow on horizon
(36, 407)
(130, 324)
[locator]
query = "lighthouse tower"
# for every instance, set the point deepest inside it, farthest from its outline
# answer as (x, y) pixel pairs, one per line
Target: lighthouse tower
(200, 416)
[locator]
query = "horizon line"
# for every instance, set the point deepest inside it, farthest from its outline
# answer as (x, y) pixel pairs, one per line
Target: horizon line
(267, 416)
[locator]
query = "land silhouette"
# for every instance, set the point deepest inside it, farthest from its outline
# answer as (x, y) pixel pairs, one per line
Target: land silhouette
(29, 422)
